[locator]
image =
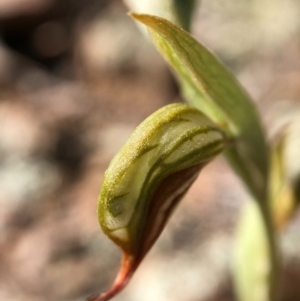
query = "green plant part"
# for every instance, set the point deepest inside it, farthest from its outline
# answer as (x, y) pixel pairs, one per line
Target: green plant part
(149, 176)
(177, 11)
(254, 271)
(210, 87)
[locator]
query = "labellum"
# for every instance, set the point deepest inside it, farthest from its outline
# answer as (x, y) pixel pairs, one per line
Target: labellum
(148, 177)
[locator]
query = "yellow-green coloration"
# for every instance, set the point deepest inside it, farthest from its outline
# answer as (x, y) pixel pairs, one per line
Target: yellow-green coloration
(210, 87)
(253, 265)
(174, 138)
(282, 192)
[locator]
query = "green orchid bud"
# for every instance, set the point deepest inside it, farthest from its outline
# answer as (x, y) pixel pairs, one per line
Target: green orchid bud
(149, 176)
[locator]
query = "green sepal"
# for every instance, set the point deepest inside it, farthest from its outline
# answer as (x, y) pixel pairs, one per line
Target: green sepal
(209, 86)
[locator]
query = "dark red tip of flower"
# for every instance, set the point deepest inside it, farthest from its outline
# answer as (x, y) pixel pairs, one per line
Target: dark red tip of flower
(127, 269)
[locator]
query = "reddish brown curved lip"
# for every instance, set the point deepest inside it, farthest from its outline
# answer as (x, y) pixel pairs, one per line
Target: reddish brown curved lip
(128, 267)
(131, 261)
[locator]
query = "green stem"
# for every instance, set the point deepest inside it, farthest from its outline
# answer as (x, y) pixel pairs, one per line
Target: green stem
(273, 249)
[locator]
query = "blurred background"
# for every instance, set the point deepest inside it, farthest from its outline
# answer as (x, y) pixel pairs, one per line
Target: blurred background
(76, 78)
